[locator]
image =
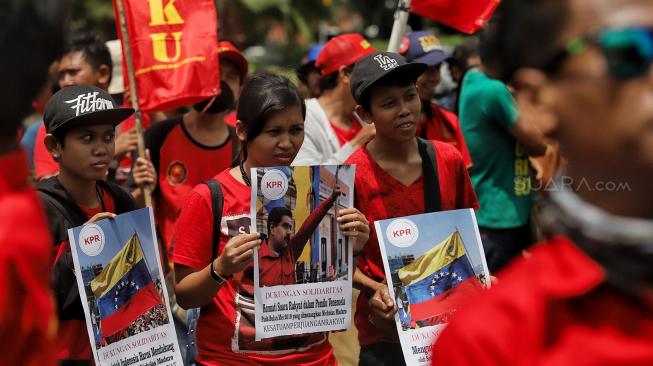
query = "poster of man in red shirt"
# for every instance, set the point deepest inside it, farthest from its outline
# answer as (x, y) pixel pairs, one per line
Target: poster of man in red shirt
(303, 268)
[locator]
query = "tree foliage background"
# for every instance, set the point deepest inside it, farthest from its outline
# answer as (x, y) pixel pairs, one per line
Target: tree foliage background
(283, 28)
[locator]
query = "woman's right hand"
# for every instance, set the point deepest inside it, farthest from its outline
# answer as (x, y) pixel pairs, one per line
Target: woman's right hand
(237, 254)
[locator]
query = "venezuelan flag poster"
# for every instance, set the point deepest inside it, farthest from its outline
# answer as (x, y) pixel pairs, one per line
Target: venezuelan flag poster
(123, 291)
(436, 262)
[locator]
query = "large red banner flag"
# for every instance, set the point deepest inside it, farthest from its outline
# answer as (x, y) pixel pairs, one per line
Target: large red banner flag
(464, 15)
(174, 47)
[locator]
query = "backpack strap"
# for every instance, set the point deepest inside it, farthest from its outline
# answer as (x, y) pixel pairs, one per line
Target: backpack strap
(432, 199)
(217, 202)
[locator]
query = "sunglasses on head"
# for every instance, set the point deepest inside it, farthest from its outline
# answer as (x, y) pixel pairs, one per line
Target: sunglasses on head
(628, 51)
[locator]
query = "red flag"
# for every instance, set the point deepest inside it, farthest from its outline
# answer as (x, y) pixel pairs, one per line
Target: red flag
(175, 51)
(464, 15)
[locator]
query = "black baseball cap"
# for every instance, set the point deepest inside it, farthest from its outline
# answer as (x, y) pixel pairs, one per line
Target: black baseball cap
(79, 105)
(378, 65)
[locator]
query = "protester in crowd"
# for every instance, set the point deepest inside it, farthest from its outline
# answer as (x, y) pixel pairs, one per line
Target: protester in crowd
(583, 296)
(500, 142)
(271, 128)
(233, 70)
(27, 316)
(462, 59)
(395, 176)
(186, 151)
(333, 132)
(309, 75)
(435, 123)
(80, 122)
(189, 149)
(86, 61)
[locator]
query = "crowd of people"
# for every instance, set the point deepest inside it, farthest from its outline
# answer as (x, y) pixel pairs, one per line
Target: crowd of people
(577, 84)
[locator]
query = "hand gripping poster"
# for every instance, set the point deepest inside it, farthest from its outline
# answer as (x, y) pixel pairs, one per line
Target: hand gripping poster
(303, 268)
(435, 262)
(123, 293)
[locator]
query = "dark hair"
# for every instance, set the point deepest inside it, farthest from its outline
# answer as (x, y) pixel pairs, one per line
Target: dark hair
(303, 70)
(463, 52)
(275, 216)
(395, 79)
(509, 47)
(31, 37)
(264, 95)
(95, 51)
(330, 81)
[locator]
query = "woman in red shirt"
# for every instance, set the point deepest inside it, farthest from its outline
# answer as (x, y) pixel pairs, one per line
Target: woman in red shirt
(271, 130)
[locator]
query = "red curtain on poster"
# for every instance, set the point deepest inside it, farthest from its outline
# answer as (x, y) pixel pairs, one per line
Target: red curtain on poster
(175, 51)
(464, 15)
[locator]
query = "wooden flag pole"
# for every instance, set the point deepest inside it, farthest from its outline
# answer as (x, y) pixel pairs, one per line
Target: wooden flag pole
(399, 26)
(133, 91)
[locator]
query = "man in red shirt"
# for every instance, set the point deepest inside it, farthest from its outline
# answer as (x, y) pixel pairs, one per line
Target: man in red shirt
(186, 151)
(280, 251)
(585, 295)
(332, 132)
(436, 122)
(30, 39)
(394, 178)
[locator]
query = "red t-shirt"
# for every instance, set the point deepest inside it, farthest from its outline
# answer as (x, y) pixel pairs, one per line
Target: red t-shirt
(344, 136)
(27, 313)
(553, 308)
(44, 165)
(276, 268)
(380, 196)
(181, 164)
(72, 335)
(225, 329)
(444, 126)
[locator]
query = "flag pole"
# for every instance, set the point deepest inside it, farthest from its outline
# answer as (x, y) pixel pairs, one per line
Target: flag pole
(399, 26)
(133, 91)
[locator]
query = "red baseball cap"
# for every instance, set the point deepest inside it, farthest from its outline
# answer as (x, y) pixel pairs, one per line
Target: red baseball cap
(228, 51)
(343, 50)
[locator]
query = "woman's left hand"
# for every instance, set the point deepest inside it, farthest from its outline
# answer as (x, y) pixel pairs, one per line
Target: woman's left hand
(354, 225)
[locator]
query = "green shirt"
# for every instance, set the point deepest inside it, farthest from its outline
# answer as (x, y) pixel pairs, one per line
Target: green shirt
(501, 171)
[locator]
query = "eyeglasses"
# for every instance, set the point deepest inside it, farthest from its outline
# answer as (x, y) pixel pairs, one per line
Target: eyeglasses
(628, 51)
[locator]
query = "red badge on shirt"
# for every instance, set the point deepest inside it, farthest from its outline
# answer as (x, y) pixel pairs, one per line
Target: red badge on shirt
(177, 172)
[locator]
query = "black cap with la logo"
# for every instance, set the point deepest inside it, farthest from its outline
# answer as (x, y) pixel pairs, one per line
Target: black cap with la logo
(82, 105)
(378, 65)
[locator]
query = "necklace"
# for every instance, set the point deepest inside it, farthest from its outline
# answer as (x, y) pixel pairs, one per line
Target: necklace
(244, 174)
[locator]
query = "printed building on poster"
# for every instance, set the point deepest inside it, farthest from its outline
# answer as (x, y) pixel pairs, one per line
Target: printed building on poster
(330, 245)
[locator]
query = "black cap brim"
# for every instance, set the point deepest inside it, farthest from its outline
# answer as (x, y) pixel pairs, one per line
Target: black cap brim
(409, 71)
(113, 117)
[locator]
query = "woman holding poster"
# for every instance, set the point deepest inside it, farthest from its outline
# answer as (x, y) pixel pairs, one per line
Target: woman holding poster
(271, 129)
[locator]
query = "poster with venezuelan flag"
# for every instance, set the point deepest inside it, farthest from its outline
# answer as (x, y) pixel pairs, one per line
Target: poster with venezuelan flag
(435, 261)
(123, 291)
